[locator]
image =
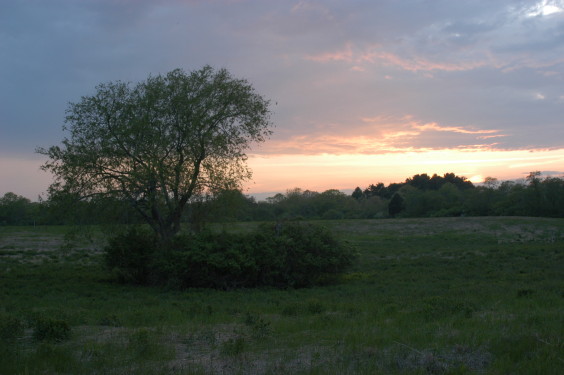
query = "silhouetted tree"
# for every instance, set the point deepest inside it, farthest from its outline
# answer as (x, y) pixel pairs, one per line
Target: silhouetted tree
(396, 205)
(419, 181)
(357, 193)
(16, 210)
(161, 143)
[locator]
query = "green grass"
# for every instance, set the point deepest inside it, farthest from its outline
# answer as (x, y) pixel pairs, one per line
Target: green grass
(427, 296)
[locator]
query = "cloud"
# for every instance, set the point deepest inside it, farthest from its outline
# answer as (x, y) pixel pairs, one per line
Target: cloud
(375, 55)
(382, 135)
(500, 35)
(416, 64)
(545, 8)
(454, 129)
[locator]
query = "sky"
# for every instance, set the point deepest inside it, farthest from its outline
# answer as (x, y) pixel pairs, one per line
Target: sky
(362, 91)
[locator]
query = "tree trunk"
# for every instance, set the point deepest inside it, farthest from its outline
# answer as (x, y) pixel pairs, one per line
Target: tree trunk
(167, 231)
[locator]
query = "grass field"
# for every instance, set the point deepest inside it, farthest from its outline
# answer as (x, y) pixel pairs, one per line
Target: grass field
(426, 296)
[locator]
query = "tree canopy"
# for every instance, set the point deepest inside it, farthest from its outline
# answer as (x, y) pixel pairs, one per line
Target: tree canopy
(160, 143)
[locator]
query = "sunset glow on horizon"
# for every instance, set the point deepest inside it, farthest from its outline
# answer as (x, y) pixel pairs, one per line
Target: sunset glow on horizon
(278, 173)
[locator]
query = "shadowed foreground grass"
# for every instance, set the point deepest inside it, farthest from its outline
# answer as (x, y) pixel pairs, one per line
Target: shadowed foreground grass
(427, 296)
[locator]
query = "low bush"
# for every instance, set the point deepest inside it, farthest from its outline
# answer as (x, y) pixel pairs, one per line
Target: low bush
(206, 259)
(289, 255)
(11, 328)
(129, 255)
(47, 329)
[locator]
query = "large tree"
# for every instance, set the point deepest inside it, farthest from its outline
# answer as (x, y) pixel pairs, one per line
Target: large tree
(161, 142)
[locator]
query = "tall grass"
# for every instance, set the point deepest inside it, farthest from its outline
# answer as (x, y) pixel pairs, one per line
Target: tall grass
(427, 296)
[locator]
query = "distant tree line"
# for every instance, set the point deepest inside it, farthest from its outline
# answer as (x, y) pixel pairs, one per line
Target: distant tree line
(418, 196)
(64, 209)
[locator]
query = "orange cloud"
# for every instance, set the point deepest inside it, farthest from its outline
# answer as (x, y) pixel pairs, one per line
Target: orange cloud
(380, 135)
(455, 129)
(492, 136)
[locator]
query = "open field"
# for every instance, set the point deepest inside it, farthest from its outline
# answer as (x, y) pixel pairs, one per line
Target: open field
(427, 296)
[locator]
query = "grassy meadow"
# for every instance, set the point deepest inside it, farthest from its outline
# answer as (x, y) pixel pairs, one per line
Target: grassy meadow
(426, 296)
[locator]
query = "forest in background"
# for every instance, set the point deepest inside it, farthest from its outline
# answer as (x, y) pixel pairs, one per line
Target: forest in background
(418, 196)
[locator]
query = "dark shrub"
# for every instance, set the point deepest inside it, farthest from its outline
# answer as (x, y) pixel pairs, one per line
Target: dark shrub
(207, 260)
(130, 255)
(11, 328)
(300, 255)
(46, 329)
(289, 255)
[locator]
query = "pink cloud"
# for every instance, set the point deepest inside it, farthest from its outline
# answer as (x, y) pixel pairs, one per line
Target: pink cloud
(381, 135)
(416, 63)
(373, 54)
(345, 54)
(492, 136)
(455, 129)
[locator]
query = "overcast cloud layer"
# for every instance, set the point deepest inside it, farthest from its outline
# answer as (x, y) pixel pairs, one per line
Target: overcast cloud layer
(348, 77)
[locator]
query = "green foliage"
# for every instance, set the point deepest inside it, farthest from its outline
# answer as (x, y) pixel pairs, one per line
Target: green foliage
(11, 328)
(233, 346)
(260, 328)
(160, 143)
(308, 254)
(143, 344)
(396, 205)
(63, 207)
(207, 260)
(52, 330)
(50, 358)
(110, 320)
(329, 205)
(283, 255)
(130, 255)
(436, 306)
(18, 210)
(421, 195)
(427, 296)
